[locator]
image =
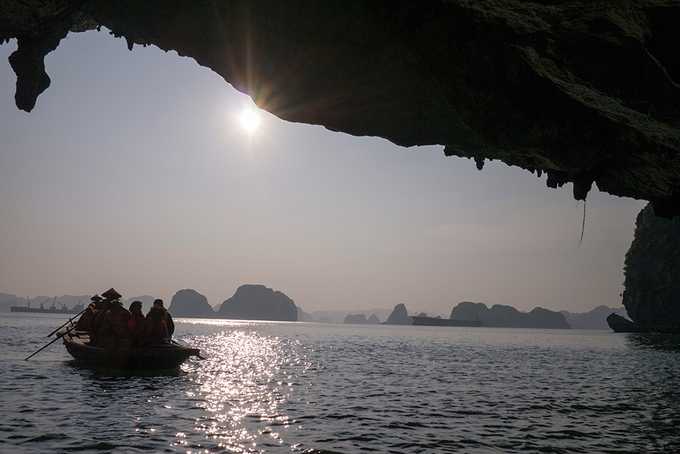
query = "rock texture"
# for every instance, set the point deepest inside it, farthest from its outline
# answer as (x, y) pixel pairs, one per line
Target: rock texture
(257, 302)
(399, 316)
(190, 303)
(508, 317)
(651, 293)
(467, 310)
(585, 91)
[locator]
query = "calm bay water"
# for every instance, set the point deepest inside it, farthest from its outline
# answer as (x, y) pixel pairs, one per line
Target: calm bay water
(303, 387)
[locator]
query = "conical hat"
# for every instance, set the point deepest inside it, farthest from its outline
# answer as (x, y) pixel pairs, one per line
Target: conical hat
(111, 294)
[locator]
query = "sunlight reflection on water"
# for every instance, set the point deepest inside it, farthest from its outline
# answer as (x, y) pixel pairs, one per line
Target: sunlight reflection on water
(242, 384)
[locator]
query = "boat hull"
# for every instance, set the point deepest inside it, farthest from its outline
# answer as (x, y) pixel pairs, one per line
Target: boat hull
(153, 357)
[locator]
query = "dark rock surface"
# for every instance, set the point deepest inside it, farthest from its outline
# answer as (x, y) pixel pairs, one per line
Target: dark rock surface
(651, 293)
(508, 317)
(467, 310)
(257, 302)
(593, 319)
(190, 303)
(585, 91)
(623, 325)
(399, 316)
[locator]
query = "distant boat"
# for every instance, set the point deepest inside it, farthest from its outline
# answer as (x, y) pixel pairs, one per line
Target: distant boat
(47, 310)
(435, 321)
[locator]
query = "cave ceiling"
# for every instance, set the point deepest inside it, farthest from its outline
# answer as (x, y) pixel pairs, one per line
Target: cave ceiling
(584, 91)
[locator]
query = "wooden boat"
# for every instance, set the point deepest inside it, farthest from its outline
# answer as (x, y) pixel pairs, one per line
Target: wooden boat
(151, 357)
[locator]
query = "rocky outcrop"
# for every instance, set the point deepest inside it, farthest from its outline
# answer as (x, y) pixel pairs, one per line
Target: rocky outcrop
(546, 86)
(622, 325)
(593, 319)
(467, 310)
(190, 303)
(373, 319)
(545, 318)
(651, 293)
(257, 302)
(508, 317)
(399, 316)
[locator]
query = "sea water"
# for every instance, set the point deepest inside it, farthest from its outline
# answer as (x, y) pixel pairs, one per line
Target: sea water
(307, 387)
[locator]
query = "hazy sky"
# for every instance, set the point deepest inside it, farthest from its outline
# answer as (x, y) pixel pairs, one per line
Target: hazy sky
(134, 172)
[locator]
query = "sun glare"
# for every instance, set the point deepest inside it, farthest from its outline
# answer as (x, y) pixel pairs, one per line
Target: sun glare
(250, 120)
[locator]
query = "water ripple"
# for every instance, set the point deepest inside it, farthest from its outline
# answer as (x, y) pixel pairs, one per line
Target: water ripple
(306, 388)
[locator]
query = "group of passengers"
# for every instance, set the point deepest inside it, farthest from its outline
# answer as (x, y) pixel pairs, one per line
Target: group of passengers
(110, 325)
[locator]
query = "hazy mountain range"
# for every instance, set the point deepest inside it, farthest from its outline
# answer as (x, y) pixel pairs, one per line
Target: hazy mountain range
(190, 303)
(509, 317)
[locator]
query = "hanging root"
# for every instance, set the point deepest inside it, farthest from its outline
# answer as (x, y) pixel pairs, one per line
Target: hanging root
(583, 223)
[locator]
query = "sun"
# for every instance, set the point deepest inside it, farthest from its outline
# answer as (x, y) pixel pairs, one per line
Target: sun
(250, 120)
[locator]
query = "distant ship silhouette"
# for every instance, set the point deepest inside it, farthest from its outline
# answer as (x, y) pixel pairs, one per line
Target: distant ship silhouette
(50, 310)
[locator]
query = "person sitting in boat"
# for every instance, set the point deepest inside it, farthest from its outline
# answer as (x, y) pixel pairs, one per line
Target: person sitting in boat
(159, 324)
(98, 328)
(110, 323)
(137, 322)
(87, 319)
(118, 318)
(168, 318)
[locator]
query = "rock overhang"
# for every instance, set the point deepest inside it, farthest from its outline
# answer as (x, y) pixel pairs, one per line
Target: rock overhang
(585, 91)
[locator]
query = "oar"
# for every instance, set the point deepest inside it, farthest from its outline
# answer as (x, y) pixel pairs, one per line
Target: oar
(50, 343)
(181, 343)
(69, 321)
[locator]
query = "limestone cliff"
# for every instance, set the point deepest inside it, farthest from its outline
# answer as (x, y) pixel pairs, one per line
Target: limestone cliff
(585, 91)
(399, 316)
(190, 303)
(257, 302)
(652, 273)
